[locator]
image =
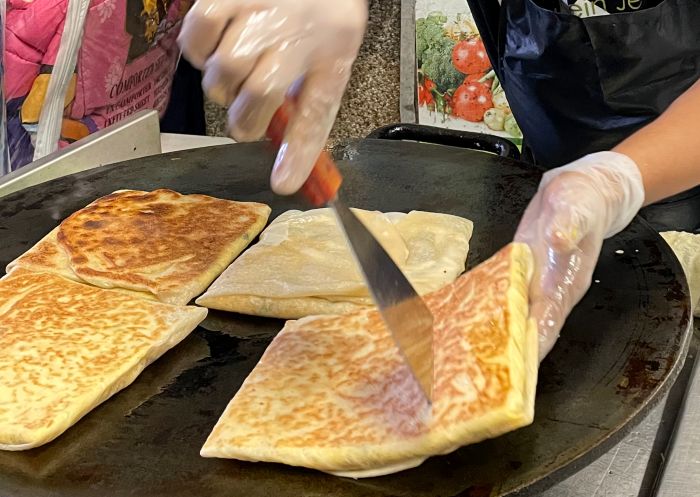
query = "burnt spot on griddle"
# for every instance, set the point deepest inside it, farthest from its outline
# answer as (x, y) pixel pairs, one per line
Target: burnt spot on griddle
(476, 491)
(675, 292)
(641, 373)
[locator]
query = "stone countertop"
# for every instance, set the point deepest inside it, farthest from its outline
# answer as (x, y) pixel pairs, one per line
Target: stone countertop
(372, 98)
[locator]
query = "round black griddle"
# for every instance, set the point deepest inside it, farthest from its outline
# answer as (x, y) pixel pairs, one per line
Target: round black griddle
(621, 349)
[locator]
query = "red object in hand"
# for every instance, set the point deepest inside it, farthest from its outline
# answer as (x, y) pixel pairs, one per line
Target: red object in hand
(324, 182)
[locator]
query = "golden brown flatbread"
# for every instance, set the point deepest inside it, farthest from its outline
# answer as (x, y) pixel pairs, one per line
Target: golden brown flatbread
(66, 347)
(99, 425)
(333, 393)
(45, 256)
(302, 264)
(163, 243)
(48, 256)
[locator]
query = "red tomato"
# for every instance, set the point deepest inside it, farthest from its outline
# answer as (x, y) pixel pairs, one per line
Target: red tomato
(474, 78)
(471, 101)
(469, 56)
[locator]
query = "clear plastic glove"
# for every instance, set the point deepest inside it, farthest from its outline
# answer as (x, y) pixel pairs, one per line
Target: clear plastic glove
(576, 207)
(254, 52)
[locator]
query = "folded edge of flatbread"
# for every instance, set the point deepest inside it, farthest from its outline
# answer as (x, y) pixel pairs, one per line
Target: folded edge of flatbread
(302, 266)
(333, 394)
(66, 347)
(159, 244)
(686, 247)
(47, 256)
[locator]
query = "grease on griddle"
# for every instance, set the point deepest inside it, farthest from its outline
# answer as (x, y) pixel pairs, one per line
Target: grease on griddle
(676, 292)
(641, 373)
(476, 491)
(514, 465)
(239, 326)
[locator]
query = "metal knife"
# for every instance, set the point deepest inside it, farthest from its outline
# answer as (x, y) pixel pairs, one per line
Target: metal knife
(405, 314)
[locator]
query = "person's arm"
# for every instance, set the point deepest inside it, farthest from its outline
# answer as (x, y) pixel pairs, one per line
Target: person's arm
(667, 151)
(579, 205)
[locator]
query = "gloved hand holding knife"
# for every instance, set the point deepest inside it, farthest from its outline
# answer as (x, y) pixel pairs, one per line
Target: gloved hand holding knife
(253, 52)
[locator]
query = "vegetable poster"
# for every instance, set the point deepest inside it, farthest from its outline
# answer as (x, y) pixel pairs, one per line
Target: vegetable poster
(456, 86)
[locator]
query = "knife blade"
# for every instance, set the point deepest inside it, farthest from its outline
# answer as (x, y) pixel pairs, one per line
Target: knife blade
(403, 311)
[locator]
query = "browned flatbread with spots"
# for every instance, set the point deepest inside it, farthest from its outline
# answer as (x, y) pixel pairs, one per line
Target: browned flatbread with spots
(66, 347)
(162, 243)
(333, 393)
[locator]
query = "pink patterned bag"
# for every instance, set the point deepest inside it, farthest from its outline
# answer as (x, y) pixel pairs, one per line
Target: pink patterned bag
(76, 66)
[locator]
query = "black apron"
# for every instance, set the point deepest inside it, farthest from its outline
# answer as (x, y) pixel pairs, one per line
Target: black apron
(582, 85)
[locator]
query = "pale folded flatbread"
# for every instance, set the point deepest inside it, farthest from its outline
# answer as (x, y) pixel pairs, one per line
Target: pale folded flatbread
(302, 264)
(686, 246)
(66, 347)
(162, 243)
(332, 392)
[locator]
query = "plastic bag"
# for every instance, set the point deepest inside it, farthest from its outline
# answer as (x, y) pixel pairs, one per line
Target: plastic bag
(76, 66)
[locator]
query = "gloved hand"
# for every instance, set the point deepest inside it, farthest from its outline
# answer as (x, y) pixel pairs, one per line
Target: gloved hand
(576, 207)
(253, 52)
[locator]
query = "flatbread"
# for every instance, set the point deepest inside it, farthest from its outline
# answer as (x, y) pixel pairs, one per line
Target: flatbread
(162, 243)
(66, 347)
(45, 256)
(686, 246)
(92, 430)
(48, 256)
(302, 264)
(332, 392)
